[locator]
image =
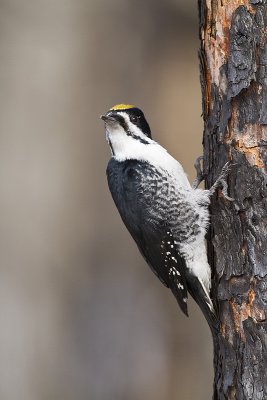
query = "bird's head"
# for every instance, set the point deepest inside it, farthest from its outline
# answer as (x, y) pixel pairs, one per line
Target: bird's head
(126, 127)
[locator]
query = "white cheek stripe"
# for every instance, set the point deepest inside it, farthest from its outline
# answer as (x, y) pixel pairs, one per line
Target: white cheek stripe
(127, 148)
(134, 129)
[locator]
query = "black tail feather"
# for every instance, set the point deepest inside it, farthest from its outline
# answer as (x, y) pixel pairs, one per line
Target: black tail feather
(203, 300)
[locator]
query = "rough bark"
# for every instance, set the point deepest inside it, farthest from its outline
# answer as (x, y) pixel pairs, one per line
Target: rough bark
(233, 63)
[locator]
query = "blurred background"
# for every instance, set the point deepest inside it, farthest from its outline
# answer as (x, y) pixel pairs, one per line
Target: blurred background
(81, 315)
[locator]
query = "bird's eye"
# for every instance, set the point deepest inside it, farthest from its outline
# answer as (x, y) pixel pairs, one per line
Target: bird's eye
(134, 118)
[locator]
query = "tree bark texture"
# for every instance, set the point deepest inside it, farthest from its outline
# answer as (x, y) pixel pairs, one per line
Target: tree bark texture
(233, 63)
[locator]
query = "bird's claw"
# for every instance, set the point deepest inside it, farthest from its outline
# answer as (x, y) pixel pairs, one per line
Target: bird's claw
(200, 176)
(221, 181)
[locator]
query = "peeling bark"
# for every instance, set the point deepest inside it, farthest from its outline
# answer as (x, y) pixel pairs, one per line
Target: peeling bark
(233, 67)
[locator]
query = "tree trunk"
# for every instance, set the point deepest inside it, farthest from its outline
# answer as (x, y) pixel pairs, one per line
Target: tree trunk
(233, 62)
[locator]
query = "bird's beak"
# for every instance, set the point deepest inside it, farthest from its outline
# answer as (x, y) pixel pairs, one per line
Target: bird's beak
(108, 118)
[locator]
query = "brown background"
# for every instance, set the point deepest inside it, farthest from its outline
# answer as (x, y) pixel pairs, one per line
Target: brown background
(81, 315)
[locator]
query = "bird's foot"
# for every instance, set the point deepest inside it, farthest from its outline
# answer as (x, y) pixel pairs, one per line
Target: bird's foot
(200, 176)
(221, 181)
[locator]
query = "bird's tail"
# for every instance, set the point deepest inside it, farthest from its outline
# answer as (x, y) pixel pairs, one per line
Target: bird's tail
(201, 296)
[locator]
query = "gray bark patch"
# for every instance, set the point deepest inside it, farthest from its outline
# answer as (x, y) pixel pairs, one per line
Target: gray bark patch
(242, 63)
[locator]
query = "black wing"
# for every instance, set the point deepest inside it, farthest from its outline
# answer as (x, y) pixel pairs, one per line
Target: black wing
(139, 193)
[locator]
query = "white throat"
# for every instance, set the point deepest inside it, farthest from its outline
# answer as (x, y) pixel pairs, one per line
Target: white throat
(126, 147)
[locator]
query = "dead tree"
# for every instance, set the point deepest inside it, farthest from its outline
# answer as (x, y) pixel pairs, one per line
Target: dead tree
(233, 63)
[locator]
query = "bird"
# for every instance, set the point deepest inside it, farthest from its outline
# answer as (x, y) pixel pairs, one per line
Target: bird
(165, 215)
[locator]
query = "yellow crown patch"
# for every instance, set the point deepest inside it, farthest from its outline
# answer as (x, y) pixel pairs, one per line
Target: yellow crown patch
(122, 107)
